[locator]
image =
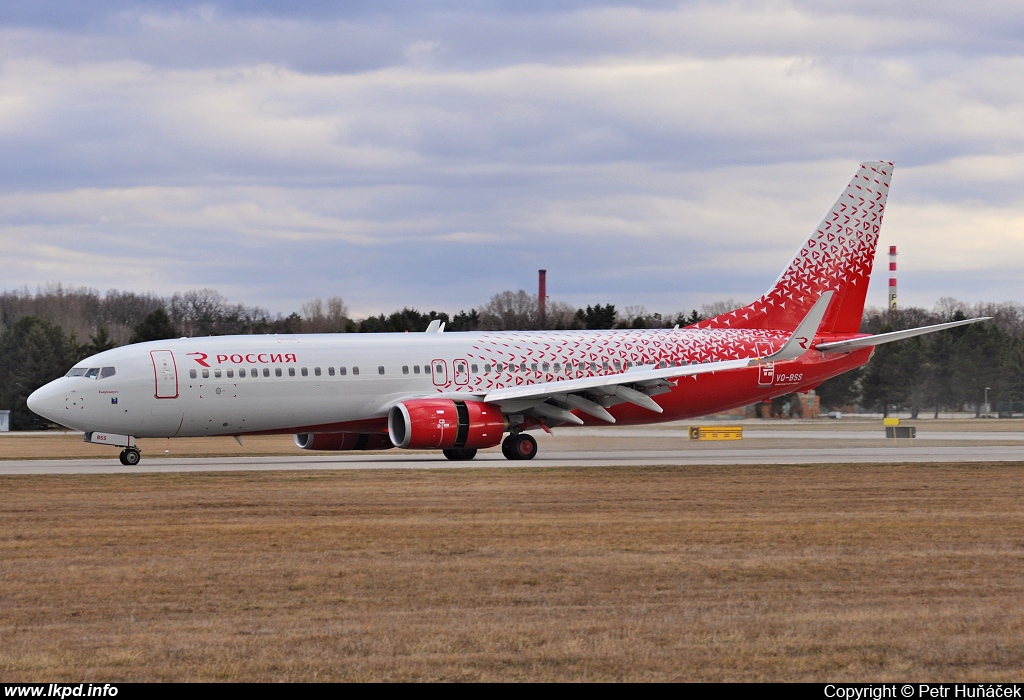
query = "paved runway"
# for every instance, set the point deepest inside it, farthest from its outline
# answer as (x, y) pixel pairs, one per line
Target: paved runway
(888, 454)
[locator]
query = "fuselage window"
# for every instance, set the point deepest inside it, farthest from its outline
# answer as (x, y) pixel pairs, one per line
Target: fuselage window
(107, 372)
(487, 368)
(330, 371)
(206, 374)
(355, 370)
(266, 371)
(415, 369)
(380, 369)
(76, 372)
(439, 369)
(305, 372)
(605, 366)
(522, 367)
(241, 372)
(291, 371)
(216, 373)
(500, 367)
(405, 369)
(230, 373)
(343, 371)
(593, 366)
(545, 367)
(473, 369)
(93, 373)
(558, 366)
(618, 366)
(316, 371)
(533, 366)
(192, 373)
(426, 369)
(278, 372)
(252, 372)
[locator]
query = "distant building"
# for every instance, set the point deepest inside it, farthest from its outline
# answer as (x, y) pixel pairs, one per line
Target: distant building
(803, 405)
(5, 421)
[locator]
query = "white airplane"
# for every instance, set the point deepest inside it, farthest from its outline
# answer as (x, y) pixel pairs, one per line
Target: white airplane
(461, 392)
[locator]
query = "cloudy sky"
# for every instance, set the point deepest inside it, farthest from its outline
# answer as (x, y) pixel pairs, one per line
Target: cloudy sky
(431, 154)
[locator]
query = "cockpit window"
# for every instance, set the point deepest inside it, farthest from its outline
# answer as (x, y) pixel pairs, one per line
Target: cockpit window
(76, 372)
(107, 372)
(93, 373)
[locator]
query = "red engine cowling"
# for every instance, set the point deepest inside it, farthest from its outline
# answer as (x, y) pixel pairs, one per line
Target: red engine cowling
(343, 441)
(431, 424)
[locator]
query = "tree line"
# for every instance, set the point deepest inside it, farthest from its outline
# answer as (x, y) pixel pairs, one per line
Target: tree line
(945, 371)
(43, 334)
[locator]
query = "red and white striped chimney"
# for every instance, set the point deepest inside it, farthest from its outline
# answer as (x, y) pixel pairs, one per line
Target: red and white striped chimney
(892, 278)
(542, 296)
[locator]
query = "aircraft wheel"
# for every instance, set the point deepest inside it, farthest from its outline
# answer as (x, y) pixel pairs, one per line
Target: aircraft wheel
(130, 457)
(459, 455)
(121, 457)
(521, 446)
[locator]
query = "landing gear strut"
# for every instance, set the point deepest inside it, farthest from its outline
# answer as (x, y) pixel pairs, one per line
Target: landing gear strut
(460, 455)
(519, 446)
(130, 457)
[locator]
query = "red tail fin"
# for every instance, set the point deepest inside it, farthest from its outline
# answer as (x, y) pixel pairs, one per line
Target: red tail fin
(837, 256)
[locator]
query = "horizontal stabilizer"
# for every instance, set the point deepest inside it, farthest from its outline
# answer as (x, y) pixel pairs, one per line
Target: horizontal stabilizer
(883, 338)
(800, 341)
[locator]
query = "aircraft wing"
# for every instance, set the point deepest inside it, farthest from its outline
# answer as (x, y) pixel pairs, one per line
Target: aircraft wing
(593, 395)
(883, 338)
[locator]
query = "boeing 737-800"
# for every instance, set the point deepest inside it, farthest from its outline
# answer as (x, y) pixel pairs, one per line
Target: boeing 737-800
(460, 392)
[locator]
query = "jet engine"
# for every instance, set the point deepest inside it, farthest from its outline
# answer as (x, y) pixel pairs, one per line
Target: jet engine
(343, 441)
(430, 424)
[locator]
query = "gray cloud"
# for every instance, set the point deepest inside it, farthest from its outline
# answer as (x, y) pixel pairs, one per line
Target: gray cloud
(657, 154)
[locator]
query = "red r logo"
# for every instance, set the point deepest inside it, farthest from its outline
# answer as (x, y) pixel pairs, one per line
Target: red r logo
(201, 359)
(802, 342)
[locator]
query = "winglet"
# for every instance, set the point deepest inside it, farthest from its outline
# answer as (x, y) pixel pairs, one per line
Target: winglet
(436, 326)
(803, 336)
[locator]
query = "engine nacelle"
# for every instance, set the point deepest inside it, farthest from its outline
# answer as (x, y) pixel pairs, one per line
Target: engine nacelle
(343, 441)
(431, 424)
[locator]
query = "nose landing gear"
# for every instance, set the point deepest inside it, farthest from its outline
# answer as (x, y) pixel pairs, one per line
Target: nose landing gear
(130, 456)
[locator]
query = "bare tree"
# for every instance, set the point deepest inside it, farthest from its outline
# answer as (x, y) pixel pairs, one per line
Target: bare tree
(325, 317)
(510, 311)
(717, 308)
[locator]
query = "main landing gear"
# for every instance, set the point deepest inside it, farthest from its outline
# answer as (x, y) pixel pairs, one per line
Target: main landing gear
(130, 456)
(519, 446)
(459, 455)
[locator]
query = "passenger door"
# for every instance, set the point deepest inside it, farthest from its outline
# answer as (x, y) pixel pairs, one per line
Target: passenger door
(165, 373)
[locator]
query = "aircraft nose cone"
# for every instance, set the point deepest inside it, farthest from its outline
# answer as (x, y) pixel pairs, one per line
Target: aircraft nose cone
(45, 401)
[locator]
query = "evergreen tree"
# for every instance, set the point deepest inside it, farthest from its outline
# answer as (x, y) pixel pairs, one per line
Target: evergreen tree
(156, 326)
(100, 342)
(32, 353)
(465, 322)
(597, 317)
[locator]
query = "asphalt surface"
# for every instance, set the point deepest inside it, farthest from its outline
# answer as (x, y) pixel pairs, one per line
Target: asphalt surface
(886, 454)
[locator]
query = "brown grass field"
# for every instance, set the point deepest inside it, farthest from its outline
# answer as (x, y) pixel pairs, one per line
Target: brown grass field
(697, 573)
